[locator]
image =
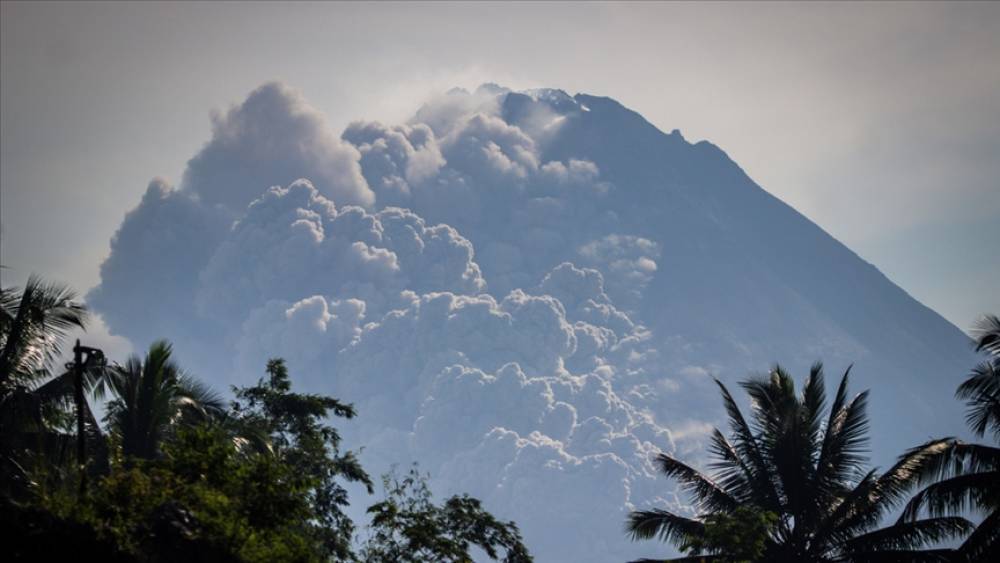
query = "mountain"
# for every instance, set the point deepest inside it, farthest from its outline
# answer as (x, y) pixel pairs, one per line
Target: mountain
(526, 292)
(732, 251)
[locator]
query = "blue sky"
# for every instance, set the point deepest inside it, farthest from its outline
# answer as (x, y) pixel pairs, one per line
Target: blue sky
(880, 122)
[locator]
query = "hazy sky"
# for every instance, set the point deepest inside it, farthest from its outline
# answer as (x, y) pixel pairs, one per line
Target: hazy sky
(880, 122)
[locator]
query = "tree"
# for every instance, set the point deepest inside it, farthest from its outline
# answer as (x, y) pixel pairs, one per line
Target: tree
(739, 536)
(808, 470)
(407, 527)
(981, 390)
(201, 500)
(298, 438)
(31, 329)
(208, 493)
(35, 404)
(967, 476)
(152, 399)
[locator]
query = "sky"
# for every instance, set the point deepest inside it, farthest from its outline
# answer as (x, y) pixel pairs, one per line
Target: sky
(880, 122)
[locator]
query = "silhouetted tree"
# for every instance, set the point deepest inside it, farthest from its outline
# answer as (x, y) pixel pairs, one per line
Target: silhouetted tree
(407, 527)
(808, 470)
(192, 487)
(35, 403)
(32, 327)
(299, 439)
(966, 477)
(739, 536)
(153, 398)
(981, 390)
(192, 481)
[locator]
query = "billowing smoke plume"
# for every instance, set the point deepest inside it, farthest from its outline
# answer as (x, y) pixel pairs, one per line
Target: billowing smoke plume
(525, 292)
(273, 138)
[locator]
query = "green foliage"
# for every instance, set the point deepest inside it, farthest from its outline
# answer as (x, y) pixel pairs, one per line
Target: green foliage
(202, 500)
(152, 399)
(407, 527)
(299, 440)
(32, 327)
(193, 482)
(261, 481)
(737, 537)
(186, 479)
(35, 403)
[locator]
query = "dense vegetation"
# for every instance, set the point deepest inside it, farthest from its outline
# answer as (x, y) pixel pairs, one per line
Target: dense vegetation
(176, 472)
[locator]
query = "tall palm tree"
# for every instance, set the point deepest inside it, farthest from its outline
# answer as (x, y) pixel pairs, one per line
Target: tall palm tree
(967, 476)
(808, 469)
(32, 327)
(152, 398)
(34, 403)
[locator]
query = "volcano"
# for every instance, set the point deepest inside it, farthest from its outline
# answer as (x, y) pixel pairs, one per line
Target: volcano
(528, 293)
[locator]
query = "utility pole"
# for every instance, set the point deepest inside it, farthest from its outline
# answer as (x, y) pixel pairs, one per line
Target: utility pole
(94, 360)
(81, 439)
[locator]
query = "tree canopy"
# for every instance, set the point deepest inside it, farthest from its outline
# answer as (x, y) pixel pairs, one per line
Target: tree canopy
(407, 527)
(807, 469)
(963, 477)
(180, 475)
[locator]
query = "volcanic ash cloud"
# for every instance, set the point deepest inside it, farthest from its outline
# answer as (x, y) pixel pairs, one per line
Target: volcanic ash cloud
(445, 276)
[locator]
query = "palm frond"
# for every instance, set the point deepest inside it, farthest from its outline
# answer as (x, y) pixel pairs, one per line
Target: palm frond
(868, 502)
(746, 445)
(688, 559)
(34, 327)
(914, 467)
(731, 470)
(981, 393)
(977, 458)
(788, 434)
(668, 527)
(875, 495)
(844, 445)
(901, 556)
(153, 398)
(911, 535)
(814, 400)
(975, 491)
(848, 514)
(709, 494)
(8, 304)
(987, 333)
(204, 400)
(984, 543)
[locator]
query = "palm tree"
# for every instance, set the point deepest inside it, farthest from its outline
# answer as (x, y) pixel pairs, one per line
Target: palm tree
(152, 398)
(34, 404)
(981, 390)
(32, 327)
(967, 476)
(808, 470)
